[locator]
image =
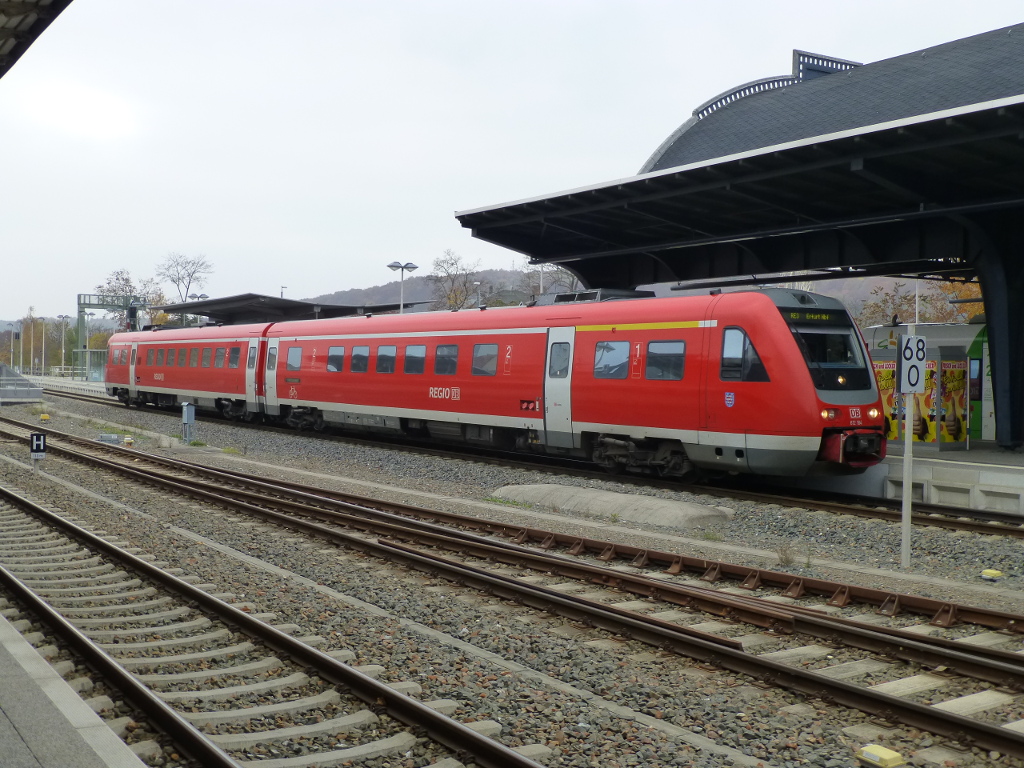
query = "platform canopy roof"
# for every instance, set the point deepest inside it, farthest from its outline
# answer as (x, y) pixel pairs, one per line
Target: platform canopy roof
(21, 22)
(837, 168)
(256, 308)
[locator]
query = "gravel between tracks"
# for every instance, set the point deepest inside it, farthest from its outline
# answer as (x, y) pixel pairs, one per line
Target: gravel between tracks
(540, 708)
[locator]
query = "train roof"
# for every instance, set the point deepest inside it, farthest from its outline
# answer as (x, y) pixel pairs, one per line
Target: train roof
(637, 310)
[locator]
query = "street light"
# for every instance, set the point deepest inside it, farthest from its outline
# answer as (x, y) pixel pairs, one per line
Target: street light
(63, 328)
(395, 266)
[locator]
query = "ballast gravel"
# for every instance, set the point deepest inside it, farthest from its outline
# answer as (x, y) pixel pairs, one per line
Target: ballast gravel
(568, 695)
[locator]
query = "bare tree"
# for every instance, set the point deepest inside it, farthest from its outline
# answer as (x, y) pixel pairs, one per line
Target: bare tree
(540, 279)
(120, 283)
(184, 272)
(453, 281)
(928, 302)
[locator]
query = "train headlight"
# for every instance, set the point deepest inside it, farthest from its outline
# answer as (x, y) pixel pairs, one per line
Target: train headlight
(841, 379)
(873, 413)
(829, 414)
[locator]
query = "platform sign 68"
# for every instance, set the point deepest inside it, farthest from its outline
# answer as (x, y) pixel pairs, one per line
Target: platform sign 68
(911, 360)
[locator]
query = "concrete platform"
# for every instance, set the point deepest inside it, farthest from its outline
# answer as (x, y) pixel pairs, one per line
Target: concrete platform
(43, 722)
(71, 386)
(986, 477)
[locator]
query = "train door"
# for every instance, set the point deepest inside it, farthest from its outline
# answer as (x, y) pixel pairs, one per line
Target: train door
(272, 406)
(252, 403)
(558, 430)
(133, 383)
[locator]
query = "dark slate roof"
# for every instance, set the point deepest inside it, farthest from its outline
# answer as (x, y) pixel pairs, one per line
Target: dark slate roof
(968, 71)
(21, 22)
(257, 308)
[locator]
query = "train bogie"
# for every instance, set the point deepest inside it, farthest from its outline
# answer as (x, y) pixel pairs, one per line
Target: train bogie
(770, 382)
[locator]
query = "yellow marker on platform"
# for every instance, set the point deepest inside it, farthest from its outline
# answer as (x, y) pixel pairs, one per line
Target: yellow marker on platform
(878, 756)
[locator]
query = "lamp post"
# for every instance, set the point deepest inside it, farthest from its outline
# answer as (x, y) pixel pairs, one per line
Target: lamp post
(196, 297)
(63, 329)
(10, 327)
(282, 290)
(395, 266)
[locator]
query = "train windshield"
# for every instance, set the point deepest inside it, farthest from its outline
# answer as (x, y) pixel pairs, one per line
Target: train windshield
(834, 356)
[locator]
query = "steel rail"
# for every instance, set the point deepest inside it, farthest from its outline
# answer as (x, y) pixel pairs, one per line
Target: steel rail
(982, 734)
(405, 709)
(943, 613)
(993, 666)
(953, 726)
(986, 522)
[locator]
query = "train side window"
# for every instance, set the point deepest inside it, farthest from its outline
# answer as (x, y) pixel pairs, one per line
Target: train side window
(558, 360)
(171, 354)
(446, 360)
(415, 358)
(665, 360)
(149, 356)
(485, 360)
(193, 357)
(611, 359)
(740, 361)
(294, 362)
(159, 357)
(117, 357)
(272, 358)
(234, 355)
(360, 359)
(218, 360)
(182, 357)
(251, 363)
(207, 356)
(386, 355)
(335, 359)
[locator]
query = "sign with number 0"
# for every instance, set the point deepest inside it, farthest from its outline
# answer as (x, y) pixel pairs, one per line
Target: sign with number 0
(910, 364)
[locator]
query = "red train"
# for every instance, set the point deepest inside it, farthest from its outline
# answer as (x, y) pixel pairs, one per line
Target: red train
(772, 381)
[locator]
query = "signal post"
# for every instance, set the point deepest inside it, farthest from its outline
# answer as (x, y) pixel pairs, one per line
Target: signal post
(911, 359)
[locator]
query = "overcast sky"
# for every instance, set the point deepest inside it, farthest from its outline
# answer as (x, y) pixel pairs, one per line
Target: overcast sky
(310, 143)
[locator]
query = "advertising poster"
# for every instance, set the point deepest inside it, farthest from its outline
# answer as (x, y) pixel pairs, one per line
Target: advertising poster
(926, 407)
(885, 375)
(953, 421)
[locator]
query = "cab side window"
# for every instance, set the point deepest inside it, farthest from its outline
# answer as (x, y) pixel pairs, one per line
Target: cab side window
(665, 360)
(294, 362)
(740, 361)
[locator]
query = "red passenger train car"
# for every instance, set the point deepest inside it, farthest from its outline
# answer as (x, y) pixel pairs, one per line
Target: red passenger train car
(773, 381)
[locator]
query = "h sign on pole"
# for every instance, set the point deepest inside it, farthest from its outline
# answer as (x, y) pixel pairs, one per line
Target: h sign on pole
(36, 447)
(911, 368)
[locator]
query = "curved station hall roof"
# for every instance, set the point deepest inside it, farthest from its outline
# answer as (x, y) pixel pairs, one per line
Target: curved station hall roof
(748, 185)
(21, 22)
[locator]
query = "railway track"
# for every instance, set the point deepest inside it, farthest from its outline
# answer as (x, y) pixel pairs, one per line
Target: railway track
(228, 687)
(989, 522)
(968, 657)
